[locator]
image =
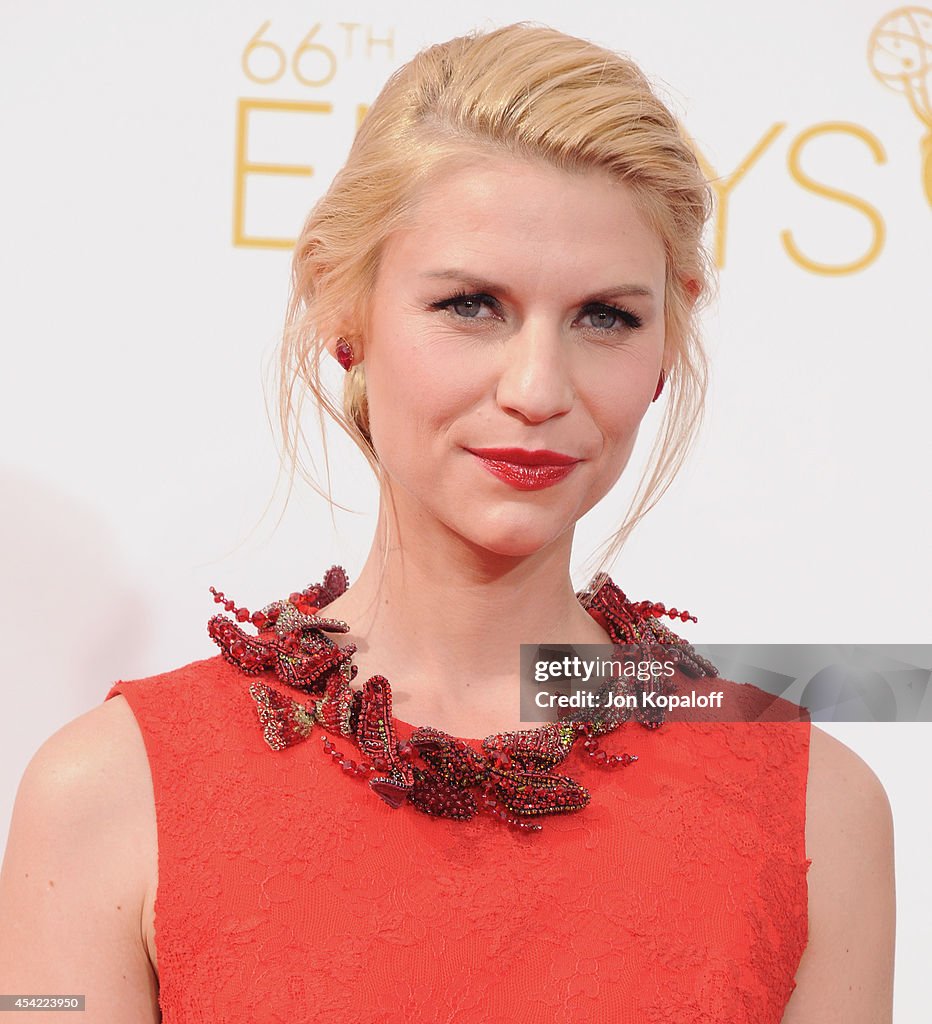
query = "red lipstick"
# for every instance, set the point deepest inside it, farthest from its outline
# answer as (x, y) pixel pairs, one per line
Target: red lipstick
(526, 470)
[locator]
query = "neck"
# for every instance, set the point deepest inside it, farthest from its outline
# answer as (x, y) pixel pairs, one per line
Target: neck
(443, 621)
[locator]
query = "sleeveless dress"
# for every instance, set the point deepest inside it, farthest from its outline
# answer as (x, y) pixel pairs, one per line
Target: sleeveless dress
(289, 892)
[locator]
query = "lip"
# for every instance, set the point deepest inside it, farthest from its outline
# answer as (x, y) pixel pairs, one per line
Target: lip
(525, 457)
(546, 469)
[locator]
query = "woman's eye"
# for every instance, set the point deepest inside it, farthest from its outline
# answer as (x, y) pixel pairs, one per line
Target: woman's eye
(466, 306)
(601, 317)
(607, 318)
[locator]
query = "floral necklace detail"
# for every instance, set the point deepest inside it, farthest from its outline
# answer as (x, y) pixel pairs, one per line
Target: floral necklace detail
(513, 776)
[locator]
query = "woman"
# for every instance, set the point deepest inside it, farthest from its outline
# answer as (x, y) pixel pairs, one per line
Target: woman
(509, 268)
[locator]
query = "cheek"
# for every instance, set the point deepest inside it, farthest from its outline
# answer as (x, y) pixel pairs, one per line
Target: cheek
(414, 396)
(618, 449)
(618, 425)
(618, 411)
(617, 414)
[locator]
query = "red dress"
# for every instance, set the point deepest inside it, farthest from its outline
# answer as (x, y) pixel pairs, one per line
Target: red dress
(289, 892)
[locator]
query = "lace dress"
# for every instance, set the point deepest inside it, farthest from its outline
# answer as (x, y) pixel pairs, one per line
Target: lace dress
(289, 892)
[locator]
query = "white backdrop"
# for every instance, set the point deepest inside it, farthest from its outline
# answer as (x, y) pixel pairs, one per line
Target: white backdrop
(142, 302)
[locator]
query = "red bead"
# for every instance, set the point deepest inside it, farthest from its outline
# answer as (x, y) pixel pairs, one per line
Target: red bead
(241, 614)
(500, 759)
(229, 605)
(259, 620)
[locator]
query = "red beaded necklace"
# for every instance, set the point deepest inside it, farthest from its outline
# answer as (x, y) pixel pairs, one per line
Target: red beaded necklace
(434, 771)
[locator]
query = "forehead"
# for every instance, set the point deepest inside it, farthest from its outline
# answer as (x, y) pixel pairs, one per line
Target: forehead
(512, 211)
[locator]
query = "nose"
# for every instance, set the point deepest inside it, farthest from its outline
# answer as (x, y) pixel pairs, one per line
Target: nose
(535, 382)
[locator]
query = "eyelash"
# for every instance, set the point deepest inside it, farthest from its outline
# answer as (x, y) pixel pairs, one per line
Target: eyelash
(629, 319)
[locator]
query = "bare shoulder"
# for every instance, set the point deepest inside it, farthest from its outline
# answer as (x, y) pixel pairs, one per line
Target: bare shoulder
(101, 746)
(846, 972)
(832, 764)
(78, 866)
(93, 772)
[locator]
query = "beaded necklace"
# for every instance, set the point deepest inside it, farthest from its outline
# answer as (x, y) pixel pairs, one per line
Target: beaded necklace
(439, 774)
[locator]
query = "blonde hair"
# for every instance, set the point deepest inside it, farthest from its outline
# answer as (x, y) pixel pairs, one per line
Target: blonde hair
(524, 91)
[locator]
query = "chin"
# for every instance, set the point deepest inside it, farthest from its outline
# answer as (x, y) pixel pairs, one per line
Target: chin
(514, 540)
(518, 549)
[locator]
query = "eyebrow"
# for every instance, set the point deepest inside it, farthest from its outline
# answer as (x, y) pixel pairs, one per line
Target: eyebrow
(482, 284)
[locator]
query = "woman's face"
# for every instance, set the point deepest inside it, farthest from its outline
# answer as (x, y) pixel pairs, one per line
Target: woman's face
(521, 309)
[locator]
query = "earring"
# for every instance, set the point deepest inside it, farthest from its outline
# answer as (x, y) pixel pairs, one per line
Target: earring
(344, 354)
(660, 384)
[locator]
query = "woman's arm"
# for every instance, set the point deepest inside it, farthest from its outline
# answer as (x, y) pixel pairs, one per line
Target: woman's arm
(74, 876)
(846, 971)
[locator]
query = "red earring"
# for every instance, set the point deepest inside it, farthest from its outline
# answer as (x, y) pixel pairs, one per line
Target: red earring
(344, 354)
(660, 384)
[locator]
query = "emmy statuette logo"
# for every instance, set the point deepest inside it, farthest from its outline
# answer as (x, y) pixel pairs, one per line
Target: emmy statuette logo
(301, 66)
(900, 56)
